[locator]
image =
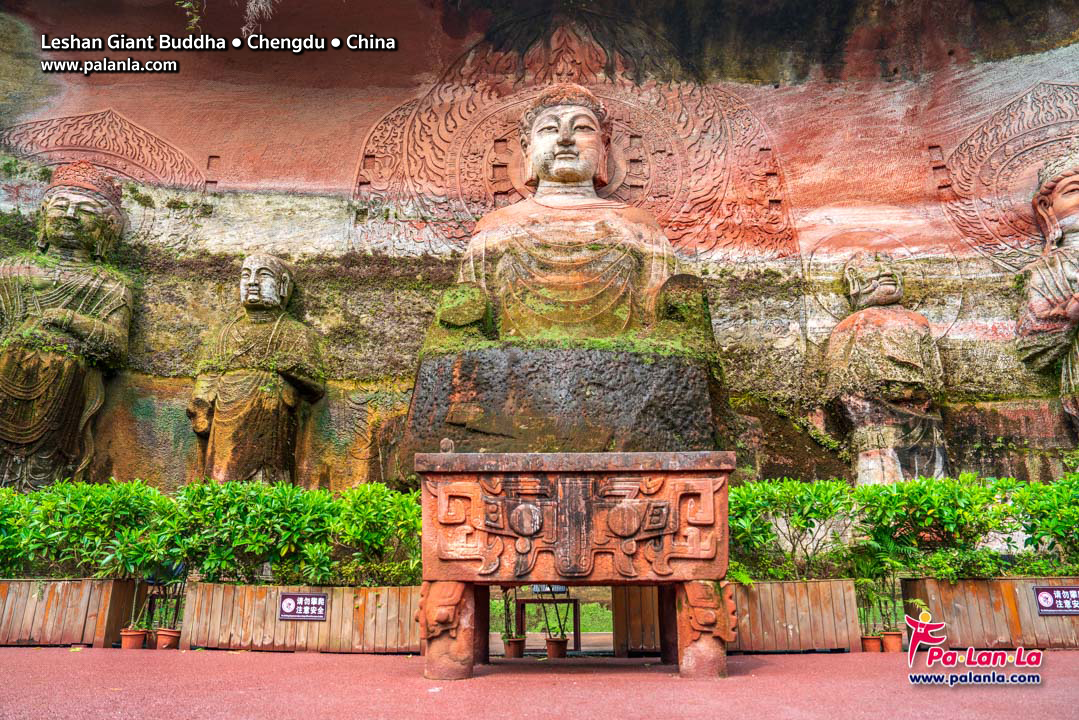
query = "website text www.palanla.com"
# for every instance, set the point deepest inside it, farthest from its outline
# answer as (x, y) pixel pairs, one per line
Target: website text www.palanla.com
(975, 678)
(108, 65)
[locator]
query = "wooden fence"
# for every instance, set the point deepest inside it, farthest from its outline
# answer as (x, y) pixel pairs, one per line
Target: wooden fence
(358, 620)
(64, 612)
(790, 616)
(994, 613)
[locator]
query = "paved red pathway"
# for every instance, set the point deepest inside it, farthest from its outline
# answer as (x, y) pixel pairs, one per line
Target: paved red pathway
(58, 683)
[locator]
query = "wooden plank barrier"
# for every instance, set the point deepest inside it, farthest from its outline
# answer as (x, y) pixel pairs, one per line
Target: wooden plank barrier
(780, 616)
(994, 612)
(64, 612)
(358, 619)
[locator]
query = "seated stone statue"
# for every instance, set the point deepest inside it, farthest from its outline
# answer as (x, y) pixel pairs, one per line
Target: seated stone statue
(1049, 316)
(253, 376)
(63, 320)
(884, 373)
(570, 327)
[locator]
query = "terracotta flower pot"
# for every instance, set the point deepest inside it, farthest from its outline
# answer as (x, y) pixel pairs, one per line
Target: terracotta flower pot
(131, 639)
(168, 639)
(892, 641)
(556, 648)
(515, 647)
(871, 643)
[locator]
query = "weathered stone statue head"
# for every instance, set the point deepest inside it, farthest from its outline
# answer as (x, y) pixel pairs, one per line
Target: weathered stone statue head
(81, 212)
(265, 283)
(872, 280)
(564, 136)
(1056, 204)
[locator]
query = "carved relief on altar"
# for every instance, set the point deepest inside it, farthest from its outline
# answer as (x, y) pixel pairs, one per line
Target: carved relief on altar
(711, 610)
(986, 182)
(693, 156)
(107, 140)
(543, 526)
(440, 608)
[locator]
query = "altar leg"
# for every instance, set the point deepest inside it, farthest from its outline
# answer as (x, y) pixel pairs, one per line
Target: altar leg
(668, 624)
(483, 624)
(700, 653)
(448, 622)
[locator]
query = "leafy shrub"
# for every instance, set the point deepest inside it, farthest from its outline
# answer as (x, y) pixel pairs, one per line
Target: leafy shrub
(1049, 515)
(74, 529)
(244, 532)
(930, 513)
(787, 528)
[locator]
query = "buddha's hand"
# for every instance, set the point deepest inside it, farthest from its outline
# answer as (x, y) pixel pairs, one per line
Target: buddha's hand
(463, 304)
(1071, 309)
(200, 413)
(683, 298)
(58, 318)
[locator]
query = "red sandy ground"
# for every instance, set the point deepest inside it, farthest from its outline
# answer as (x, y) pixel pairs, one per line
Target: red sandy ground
(56, 682)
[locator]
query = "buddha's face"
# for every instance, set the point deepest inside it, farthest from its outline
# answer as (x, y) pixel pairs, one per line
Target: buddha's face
(566, 144)
(1064, 203)
(262, 287)
(77, 220)
(873, 284)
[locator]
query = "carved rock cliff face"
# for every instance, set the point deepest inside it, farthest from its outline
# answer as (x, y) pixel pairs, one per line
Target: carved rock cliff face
(769, 142)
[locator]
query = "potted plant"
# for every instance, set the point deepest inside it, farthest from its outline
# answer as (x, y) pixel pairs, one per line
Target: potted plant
(513, 644)
(556, 633)
(865, 591)
(167, 636)
(133, 637)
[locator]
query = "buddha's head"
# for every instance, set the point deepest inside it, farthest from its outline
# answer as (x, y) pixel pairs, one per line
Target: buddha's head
(564, 136)
(265, 282)
(80, 211)
(872, 279)
(1056, 204)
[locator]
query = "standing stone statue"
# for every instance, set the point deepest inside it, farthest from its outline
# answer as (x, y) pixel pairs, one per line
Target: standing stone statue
(1049, 315)
(884, 373)
(569, 327)
(63, 320)
(253, 376)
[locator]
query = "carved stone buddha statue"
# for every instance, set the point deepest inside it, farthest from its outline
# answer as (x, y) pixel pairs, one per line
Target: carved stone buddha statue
(254, 374)
(570, 327)
(564, 261)
(63, 321)
(884, 373)
(1049, 315)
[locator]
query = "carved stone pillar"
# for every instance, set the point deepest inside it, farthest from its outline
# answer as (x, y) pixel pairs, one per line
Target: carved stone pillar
(447, 617)
(705, 624)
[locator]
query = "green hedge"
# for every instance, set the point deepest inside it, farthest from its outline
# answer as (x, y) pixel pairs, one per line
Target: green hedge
(243, 532)
(369, 535)
(787, 529)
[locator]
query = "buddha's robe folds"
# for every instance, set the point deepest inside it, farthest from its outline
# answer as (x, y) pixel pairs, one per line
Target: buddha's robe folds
(592, 270)
(246, 398)
(50, 380)
(1045, 334)
(883, 373)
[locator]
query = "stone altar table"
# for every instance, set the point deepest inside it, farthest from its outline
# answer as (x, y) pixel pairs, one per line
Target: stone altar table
(575, 519)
